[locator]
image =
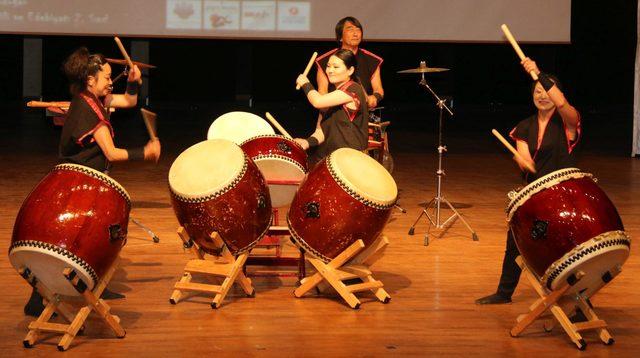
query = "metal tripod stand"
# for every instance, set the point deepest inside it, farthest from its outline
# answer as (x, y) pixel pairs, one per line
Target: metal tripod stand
(439, 199)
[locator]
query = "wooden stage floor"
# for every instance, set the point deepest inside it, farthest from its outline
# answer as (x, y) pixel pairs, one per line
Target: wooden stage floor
(433, 288)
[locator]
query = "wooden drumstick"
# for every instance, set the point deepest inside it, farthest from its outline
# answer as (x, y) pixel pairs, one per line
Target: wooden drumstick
(513, 150)
(150, 122)
(124, 52)
(306, 70)
(516, 47)
(277, 125)
(39, 104)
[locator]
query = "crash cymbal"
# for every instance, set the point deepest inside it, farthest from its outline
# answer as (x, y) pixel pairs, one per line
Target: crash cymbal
(124, 62)
(424, 69)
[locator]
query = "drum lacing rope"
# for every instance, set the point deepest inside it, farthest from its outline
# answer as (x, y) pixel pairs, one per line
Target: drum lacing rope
(534, 188)
(58, 250)
(554, 272)
(105, 179)
(352, 192)
(218, 193)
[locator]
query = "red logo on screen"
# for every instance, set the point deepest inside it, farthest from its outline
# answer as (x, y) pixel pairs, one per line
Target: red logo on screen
(293, 11)
(218, 21)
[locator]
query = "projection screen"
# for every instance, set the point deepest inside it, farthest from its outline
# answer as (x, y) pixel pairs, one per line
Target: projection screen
(543, 21)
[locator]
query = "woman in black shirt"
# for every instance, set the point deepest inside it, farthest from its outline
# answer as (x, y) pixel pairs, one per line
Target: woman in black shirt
(344, 122)
(547, 141)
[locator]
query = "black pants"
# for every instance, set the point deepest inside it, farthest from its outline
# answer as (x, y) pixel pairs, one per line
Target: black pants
(510, 269)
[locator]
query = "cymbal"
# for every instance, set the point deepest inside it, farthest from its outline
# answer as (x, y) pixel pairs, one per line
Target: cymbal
(124, 62)
(424, 69)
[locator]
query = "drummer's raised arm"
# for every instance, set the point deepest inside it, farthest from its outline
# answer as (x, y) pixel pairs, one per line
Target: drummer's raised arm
(130, 97)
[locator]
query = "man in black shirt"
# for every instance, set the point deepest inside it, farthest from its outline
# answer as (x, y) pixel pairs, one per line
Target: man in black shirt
(349, 36)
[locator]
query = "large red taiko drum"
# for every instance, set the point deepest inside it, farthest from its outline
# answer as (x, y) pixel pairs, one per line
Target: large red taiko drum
(215, 186)
(283, 164)
(77, 218)
(346, 197)
(564, 223)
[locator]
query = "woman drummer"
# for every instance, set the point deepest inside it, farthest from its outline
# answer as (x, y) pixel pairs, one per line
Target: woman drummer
(547, 141)
(87, 135)
(344, 122)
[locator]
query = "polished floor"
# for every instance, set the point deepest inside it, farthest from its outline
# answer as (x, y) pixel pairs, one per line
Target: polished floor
(433, 288)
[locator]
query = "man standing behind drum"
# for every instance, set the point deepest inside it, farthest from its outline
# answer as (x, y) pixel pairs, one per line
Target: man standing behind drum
(87, 135)
(547, 140)
(349, 36)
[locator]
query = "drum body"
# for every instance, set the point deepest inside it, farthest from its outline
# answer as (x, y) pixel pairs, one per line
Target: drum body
(564, 223)
(215, 186)
(76, 217)
(283, 164)
(238, 127)
(346, 197)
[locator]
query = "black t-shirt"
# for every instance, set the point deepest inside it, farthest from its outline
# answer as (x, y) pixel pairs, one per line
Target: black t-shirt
(366, 64)
(77, 144)
(344, 127)
(555, 152)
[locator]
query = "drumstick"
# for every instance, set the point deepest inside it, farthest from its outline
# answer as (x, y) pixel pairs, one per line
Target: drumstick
(306, 70)
(40, 104)
(516, 47)
(124, 52)
(150, 122)
(513, 150)
(277, 125)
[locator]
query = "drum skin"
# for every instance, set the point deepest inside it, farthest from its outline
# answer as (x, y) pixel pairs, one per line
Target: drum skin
(574, 211)
(240, 215)
(275, 146)
(78, 214)
(325, 220)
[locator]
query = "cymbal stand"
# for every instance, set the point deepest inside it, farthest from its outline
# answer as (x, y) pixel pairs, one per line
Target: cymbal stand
(439, 199)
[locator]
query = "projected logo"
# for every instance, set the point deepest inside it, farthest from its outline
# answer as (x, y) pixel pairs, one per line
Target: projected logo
(294, 16)
(184, 14)
(221, 15)
(259, 15)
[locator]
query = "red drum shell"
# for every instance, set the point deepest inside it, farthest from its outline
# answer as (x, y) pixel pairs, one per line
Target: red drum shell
(282, 162)
(574, 211)
(69, 214)
(240, 215)
(343, 219)
(276, 145)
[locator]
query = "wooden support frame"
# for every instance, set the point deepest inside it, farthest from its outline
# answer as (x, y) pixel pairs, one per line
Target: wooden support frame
(227, 267)
(352, 263)
(272, 241)
(561, 307)
(56, 303)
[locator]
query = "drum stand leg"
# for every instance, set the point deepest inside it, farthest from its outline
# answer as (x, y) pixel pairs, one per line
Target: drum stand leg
(226, 266)
(76, 322)
(553, 300)
(272, 241)
(439, 199)
(353, 262)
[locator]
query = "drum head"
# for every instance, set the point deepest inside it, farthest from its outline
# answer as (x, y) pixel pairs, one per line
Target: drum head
(276, 170)
(47, 262)
(359, 173)
(238, 127)
(206, 168)
(594, 258)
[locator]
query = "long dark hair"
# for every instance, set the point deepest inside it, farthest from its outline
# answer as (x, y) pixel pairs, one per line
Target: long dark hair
(79, 66)
(340, 26)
